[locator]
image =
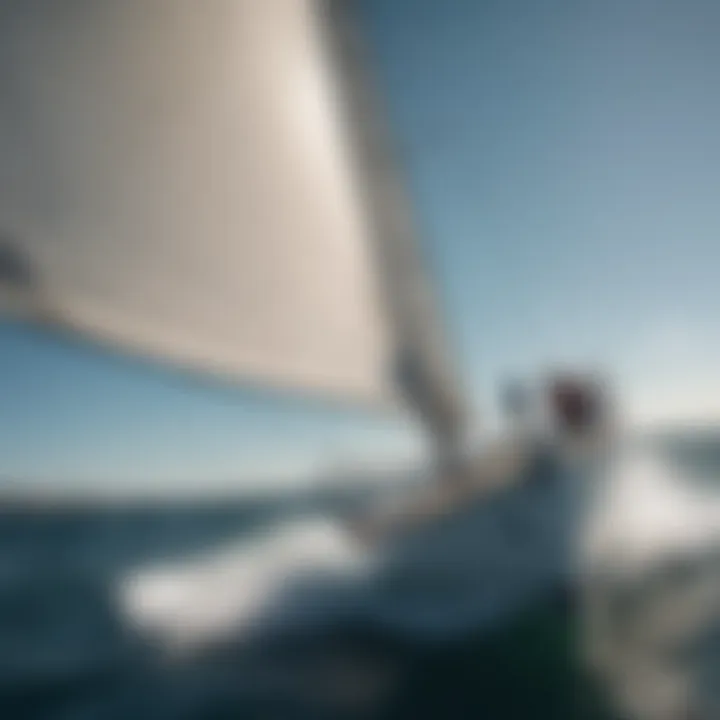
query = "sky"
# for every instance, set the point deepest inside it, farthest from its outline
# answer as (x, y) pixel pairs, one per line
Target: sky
(563, 164)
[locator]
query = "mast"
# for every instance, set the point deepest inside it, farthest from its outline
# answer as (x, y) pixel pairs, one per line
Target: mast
(423, 369)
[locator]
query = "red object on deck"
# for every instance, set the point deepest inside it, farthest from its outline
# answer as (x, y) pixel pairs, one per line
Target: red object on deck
(576, 404)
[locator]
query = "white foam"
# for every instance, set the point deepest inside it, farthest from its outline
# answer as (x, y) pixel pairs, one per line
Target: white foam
(646, 511)
(195, 602)
(649, 515)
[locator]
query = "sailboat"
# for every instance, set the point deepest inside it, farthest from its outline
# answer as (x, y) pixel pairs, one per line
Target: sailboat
(212, 186)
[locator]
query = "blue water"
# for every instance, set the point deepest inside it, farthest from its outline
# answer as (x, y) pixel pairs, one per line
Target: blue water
(67, 651)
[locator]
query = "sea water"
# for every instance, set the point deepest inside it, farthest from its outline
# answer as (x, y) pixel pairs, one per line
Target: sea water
(136, 611)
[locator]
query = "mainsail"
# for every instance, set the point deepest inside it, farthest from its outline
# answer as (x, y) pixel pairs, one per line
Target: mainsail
(205, 183)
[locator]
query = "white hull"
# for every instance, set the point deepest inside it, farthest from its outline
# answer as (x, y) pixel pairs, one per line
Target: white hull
(455, 571)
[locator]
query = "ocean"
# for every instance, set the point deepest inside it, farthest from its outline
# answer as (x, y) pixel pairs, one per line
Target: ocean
(68, 650)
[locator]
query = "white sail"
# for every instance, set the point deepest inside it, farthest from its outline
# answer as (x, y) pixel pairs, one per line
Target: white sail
(177, 178)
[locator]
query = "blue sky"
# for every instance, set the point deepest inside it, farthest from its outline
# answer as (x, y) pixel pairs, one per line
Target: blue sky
(563, 161)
